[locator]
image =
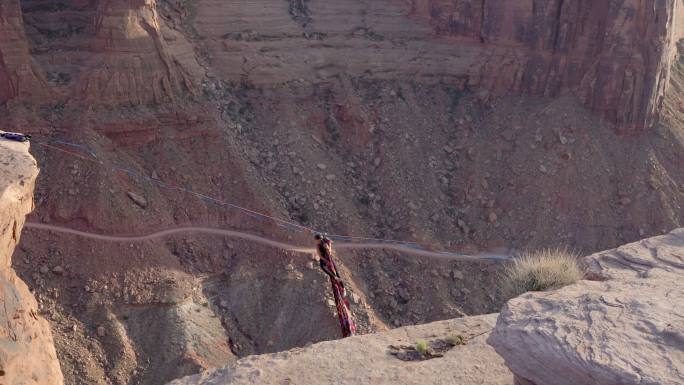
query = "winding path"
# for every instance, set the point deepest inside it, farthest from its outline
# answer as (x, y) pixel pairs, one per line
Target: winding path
(261, 240)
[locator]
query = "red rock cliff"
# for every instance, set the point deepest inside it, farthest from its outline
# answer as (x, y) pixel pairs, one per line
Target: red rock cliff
(18, 76)
(132, 64)
(97, 52)
(27, 351)
(615, 56)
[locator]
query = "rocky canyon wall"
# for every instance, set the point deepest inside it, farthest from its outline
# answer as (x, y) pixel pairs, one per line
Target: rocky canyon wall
(27, 352)
(90, 52)
(19, 77)
(615, 56)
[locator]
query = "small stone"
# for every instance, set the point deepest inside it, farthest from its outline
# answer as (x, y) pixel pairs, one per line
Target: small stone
(330, 177)
(137, 199)
(456, 274)
(356, 299)
(58, 270)
(74, 328)
(44, 269)
(492, 217)
(625, 201)
(101, 332)
(376, 162)
(321, 166)
(330, 302)
(543, 169)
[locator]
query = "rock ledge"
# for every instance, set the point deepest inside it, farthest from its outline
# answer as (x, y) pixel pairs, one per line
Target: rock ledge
(27, 351)
(626, 327)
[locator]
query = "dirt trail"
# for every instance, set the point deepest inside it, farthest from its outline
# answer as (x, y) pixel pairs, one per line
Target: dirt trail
(263, 241)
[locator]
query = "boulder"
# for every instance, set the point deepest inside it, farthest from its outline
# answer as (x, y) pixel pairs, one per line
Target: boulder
(623, 327)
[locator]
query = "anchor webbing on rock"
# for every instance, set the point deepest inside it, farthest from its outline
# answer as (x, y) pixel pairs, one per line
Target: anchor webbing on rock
(344, 315)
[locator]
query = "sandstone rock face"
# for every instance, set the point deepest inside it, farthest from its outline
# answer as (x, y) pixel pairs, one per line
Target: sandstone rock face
(133, 65)
(19, 77)
(616, 57)
(365, 360)
(627, 328)
(27, 352)
(111, 53)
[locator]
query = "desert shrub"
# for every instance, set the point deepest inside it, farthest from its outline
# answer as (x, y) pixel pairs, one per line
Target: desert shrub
(456, 340)
(422, 348)
(543, 270)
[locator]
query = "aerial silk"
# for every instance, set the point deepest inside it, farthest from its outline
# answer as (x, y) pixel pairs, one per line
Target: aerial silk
(341, 302)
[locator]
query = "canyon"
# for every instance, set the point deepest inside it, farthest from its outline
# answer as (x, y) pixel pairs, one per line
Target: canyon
(470, 126)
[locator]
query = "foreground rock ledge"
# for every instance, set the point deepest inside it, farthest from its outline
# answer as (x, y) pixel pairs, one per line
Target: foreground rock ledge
(627, 327)
(27, 352)
(366, 360)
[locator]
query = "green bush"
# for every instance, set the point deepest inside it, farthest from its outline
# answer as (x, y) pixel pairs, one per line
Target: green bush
(542, 270)
(422, 348)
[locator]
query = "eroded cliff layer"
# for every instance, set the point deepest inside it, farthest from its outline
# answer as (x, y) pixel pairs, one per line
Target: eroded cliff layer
(19, 78)
(27, 352)
(614, 56)
(110, 53)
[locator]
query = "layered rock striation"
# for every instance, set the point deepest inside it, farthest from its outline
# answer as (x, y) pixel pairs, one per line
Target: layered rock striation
(27, 352)
(626, 327)
(133, 64)
(111, 53)
(19, 76)
(615, 56)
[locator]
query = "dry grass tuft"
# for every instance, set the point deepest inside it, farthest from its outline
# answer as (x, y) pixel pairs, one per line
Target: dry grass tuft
(543, 270)
(456, 340)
